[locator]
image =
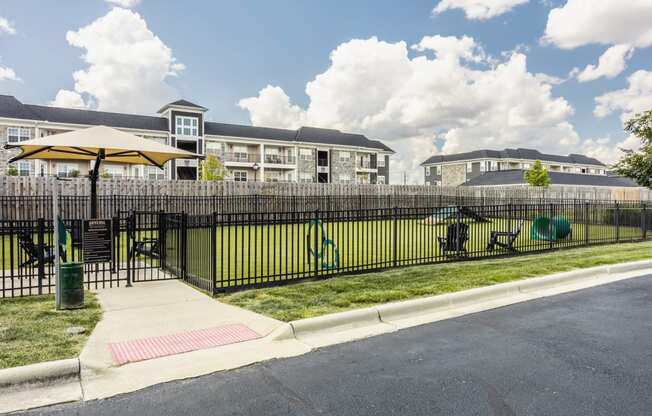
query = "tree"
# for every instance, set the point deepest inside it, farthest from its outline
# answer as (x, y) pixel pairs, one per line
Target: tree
(12, 171)
(212, 169)
(637, 164)
(537, 176)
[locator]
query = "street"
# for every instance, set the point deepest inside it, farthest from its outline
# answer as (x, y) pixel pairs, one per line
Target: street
(582, 353)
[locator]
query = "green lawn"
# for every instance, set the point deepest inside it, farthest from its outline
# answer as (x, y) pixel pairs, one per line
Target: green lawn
(269, 253)
(311, 299)
(32, 331)
(266, 253)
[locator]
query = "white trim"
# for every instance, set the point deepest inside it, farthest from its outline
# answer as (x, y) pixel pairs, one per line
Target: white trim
(66, 126)
(319, 146)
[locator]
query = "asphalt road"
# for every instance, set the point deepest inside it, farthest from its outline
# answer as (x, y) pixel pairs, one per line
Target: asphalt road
(583, 353)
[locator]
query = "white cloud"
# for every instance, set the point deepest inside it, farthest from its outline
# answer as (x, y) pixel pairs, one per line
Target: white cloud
(607, 22)
(8, 74)
(611, 64)
(479, 9)
(634, 99)
(606, 151)
(128, 65)
(623, 24)
(124, 3)
(448, 91)
(6, 26)
(69, 99)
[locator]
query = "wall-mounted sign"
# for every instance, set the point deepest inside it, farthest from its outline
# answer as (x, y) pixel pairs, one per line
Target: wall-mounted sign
(97, 241)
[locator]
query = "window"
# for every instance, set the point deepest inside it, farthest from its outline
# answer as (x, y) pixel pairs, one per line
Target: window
(240, 175)
(155, 174)
(306, 178)
(17, 134)
(214, 147)
(381, 161)
(526, 166)
(469, 167)
(380, 180)
(65, 170)
(345, 177)
(345, 156)
(187, 126)
(24, 168)
(493, 165)
(114, 171)
(305, 154)
(240, 153)
(273, 176)
(439, 170)
(427, 170)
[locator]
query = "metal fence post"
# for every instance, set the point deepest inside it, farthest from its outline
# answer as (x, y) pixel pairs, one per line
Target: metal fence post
(617, 221)
(643, 221)
(394, 236)
(458, 219)
(162, 238)
(131, 237)
(587, 223)
(214, 253)
(184, 244)
(41, 253)
(115, 255)
(315, 249)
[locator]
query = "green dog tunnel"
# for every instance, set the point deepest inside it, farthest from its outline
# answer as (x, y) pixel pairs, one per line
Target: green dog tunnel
(546, 229)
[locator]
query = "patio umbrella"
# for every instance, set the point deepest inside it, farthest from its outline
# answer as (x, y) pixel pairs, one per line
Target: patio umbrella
(99, 143)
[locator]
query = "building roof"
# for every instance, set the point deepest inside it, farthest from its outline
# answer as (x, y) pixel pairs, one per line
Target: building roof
(304, 134)
(10, 107)
(99, 118)
(517, 177)
(520, 153)
(182, 103)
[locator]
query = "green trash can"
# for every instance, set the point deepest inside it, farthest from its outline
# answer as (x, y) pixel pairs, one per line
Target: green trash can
(71, 276)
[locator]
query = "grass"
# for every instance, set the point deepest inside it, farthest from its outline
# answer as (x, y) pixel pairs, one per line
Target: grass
(351, 292)
(260, 254)
(32, 331)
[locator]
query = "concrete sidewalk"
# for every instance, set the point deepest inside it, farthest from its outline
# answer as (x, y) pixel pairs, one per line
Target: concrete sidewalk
(163, 308)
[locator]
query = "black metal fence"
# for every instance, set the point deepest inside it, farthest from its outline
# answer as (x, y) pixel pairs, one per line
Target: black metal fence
(78, 207)
(234, 251)
(230, 250)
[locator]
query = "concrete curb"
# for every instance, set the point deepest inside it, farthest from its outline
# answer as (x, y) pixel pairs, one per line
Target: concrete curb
(423, 310)
(41, 372)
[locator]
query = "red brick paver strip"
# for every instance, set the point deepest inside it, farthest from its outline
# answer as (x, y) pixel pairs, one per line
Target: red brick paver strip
(162, 346)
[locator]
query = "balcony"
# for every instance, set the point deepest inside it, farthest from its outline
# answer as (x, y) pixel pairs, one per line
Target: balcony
(241, 158)
(188, 163)
(272, 159)
(365, 166)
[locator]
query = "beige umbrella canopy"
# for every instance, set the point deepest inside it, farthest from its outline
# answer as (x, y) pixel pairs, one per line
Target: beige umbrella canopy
(88, 144)
(98, 144)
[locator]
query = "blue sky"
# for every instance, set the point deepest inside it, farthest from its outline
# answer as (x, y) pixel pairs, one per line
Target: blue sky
(232, 49)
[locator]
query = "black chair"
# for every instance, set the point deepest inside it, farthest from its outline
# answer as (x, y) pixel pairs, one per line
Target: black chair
(148, 247)
(454, 244)
(505, 239)
(30, 247)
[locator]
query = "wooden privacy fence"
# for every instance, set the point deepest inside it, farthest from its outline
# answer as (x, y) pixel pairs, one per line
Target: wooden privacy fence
(30, 186)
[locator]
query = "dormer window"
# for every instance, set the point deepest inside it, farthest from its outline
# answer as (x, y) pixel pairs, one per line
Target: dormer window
(187, 126)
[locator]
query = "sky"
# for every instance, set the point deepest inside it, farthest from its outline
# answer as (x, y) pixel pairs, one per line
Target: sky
(424, 76)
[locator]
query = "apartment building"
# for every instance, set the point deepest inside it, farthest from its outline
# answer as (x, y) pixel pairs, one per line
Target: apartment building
(458, 169)
(248, 153)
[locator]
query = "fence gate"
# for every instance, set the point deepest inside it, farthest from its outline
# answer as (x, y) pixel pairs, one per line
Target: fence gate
(141, 244)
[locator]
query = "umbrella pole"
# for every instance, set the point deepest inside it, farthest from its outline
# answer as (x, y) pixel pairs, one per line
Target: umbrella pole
(94, 174)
